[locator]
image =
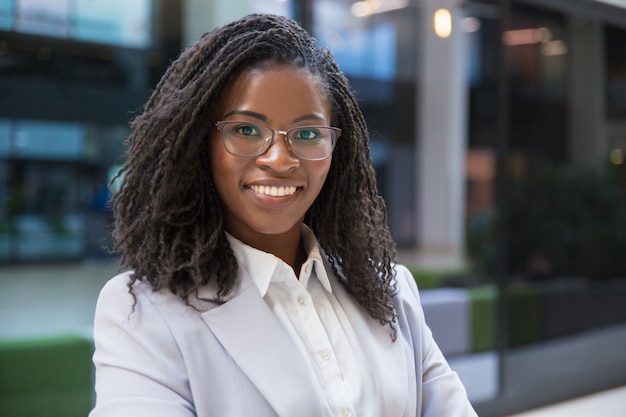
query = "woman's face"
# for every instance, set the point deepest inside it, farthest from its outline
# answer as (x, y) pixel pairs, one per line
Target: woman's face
(269, 194)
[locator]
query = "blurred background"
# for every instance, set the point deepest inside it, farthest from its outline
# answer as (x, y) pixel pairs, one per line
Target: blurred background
(498, 132)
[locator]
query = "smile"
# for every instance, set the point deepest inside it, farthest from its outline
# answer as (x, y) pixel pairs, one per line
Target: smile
(273, 191)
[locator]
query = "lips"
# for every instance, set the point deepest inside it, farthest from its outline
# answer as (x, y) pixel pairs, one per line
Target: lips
(273, 191)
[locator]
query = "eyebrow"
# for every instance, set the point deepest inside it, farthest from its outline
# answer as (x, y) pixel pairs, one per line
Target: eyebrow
(264, 118)
(309, 116)
(247, 113)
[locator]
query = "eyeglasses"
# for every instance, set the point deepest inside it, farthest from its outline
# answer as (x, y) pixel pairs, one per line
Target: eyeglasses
(312, 143)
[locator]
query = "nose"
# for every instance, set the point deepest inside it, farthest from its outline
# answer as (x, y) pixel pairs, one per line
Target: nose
(278, 156)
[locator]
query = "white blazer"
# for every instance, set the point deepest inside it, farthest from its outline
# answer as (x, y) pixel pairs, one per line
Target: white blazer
(159, 357)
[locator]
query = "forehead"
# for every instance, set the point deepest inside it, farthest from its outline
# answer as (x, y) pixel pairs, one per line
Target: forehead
(276, 89)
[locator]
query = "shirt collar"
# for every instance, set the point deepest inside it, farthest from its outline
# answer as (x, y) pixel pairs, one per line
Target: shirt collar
(261, 266)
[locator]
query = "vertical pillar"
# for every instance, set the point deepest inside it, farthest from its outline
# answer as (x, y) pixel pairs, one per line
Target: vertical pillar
(200, 16)
(589, 140)
(441, 140)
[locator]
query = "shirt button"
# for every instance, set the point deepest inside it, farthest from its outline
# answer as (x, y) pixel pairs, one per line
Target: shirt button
(346, 412)
(326, 355)
(302, 300)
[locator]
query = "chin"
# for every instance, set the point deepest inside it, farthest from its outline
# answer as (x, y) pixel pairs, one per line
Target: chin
(279, 228)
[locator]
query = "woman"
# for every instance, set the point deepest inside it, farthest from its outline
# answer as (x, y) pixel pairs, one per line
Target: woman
(260, 278)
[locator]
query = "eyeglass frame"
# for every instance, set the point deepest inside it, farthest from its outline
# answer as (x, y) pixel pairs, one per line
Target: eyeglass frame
(269, 141)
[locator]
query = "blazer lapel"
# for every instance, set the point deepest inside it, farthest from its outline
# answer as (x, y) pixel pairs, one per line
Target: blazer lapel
(262, 348)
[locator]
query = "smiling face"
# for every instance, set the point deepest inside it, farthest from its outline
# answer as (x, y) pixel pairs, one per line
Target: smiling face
(267, 196)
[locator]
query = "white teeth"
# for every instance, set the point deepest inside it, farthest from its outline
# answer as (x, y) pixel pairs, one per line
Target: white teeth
(273, 191)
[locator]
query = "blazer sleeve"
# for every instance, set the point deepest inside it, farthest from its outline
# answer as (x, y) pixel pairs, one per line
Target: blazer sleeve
(440, 391)
(139, 369)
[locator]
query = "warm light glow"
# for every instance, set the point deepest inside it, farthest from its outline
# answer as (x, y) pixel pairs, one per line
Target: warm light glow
(526, 36)
(553, 48)
(367, 8)
(443, 23)
(617, 156)
(361, 9)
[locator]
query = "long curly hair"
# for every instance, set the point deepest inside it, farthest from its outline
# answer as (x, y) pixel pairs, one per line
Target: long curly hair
(168, 218)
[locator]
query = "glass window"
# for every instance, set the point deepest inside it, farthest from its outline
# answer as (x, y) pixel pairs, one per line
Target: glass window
(43, 17)
(117, 22)
(7, 15)
(54, 188)
(615, 47)
(376, 50)
(46, 140)
(112, 22)
(279, 7)
(538, 48)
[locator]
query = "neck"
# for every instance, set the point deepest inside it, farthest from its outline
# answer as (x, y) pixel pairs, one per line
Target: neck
(286, 246)
(289, 250)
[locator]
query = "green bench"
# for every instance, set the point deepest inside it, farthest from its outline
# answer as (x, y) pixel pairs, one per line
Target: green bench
(483, 299)
(48, 376)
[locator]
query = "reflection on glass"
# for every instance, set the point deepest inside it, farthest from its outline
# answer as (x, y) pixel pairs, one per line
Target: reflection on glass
(113, 22)
(54, 188)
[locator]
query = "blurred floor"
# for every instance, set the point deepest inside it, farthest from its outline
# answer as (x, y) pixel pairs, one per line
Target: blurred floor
(610, 403)
(51, 298)
(557, 370)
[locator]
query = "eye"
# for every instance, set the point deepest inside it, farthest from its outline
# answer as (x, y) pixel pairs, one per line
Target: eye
(307, 134)
(247, 130)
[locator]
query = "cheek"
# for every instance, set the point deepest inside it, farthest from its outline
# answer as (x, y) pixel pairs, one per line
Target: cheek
(219, 164)
(321, 171)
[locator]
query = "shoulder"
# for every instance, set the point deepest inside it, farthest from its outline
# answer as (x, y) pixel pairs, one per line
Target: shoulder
(116, 290)
(407, 301)
(405, 283)
(117, 285)
(119, 290)
(120, 300)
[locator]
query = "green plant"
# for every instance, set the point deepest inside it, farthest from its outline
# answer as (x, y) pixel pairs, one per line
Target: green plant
(481, 242)
(435, 278)
(560, 221)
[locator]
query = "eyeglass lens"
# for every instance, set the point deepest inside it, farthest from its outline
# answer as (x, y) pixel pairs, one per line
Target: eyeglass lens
(306, 142)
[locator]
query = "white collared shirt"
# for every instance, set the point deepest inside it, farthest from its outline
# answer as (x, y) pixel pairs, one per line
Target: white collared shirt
(313, 317)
